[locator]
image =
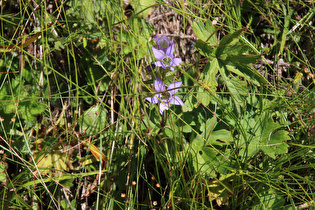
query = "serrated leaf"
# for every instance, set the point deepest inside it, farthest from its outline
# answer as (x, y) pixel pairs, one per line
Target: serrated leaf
(205, 33)
(226, 41)
(263, 134)
(249, 74)
(205, 49)
(237, 88)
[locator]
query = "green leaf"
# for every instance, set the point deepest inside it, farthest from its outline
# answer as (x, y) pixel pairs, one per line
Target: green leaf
(209, 84)
(142, 6)
(172, 131)
(237, 87)
(205, 33)
(226, 41)
(205, 49)
(269, 199)
(89, 11)
(249, 74)
(207, 127)
(244, 58)
(264, 134)
(202, 157)
(207, 159)
(3, 177)
(275, 143)
(188, 105)
(28, 110)
(203, 96)
(211, 135)
(93, 120)
(210, 71)
(221, 135)
(137, 38)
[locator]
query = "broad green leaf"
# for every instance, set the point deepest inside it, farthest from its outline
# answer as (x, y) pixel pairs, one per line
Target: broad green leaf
(203, 97)
(203, 157)
(243, 58)
(28, 110)
(211, 135)
(249, 74)
(264, 134)
(209, 84)
(172, 131)
(207, 127)
(221, 135)
(205, 33)
(237, 88)
(275, 143)
(93, 120)
(207, 159)
(142, 6)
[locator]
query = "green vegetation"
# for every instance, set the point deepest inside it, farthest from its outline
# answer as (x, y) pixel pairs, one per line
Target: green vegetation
(99, 110)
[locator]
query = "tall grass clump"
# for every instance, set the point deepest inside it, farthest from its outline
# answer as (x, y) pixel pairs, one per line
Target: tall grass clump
(147, 104)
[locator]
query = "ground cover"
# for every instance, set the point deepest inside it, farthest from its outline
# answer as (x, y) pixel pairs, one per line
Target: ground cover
(157, 104)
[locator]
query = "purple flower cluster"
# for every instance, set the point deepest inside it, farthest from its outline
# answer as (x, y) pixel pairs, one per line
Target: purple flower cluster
(165, 96)
(164, 53)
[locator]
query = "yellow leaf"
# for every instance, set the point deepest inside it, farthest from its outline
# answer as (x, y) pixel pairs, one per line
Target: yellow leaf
(95, 151)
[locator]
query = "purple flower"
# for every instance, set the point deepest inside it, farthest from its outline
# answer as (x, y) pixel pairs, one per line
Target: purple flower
(163, 43)
(150, 67)
(166, 59)
(165, 97)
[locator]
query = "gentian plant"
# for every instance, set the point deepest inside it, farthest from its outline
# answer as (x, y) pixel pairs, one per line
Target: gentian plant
(164, 96)
(164, 53)
(166, 58)
(163, 43)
